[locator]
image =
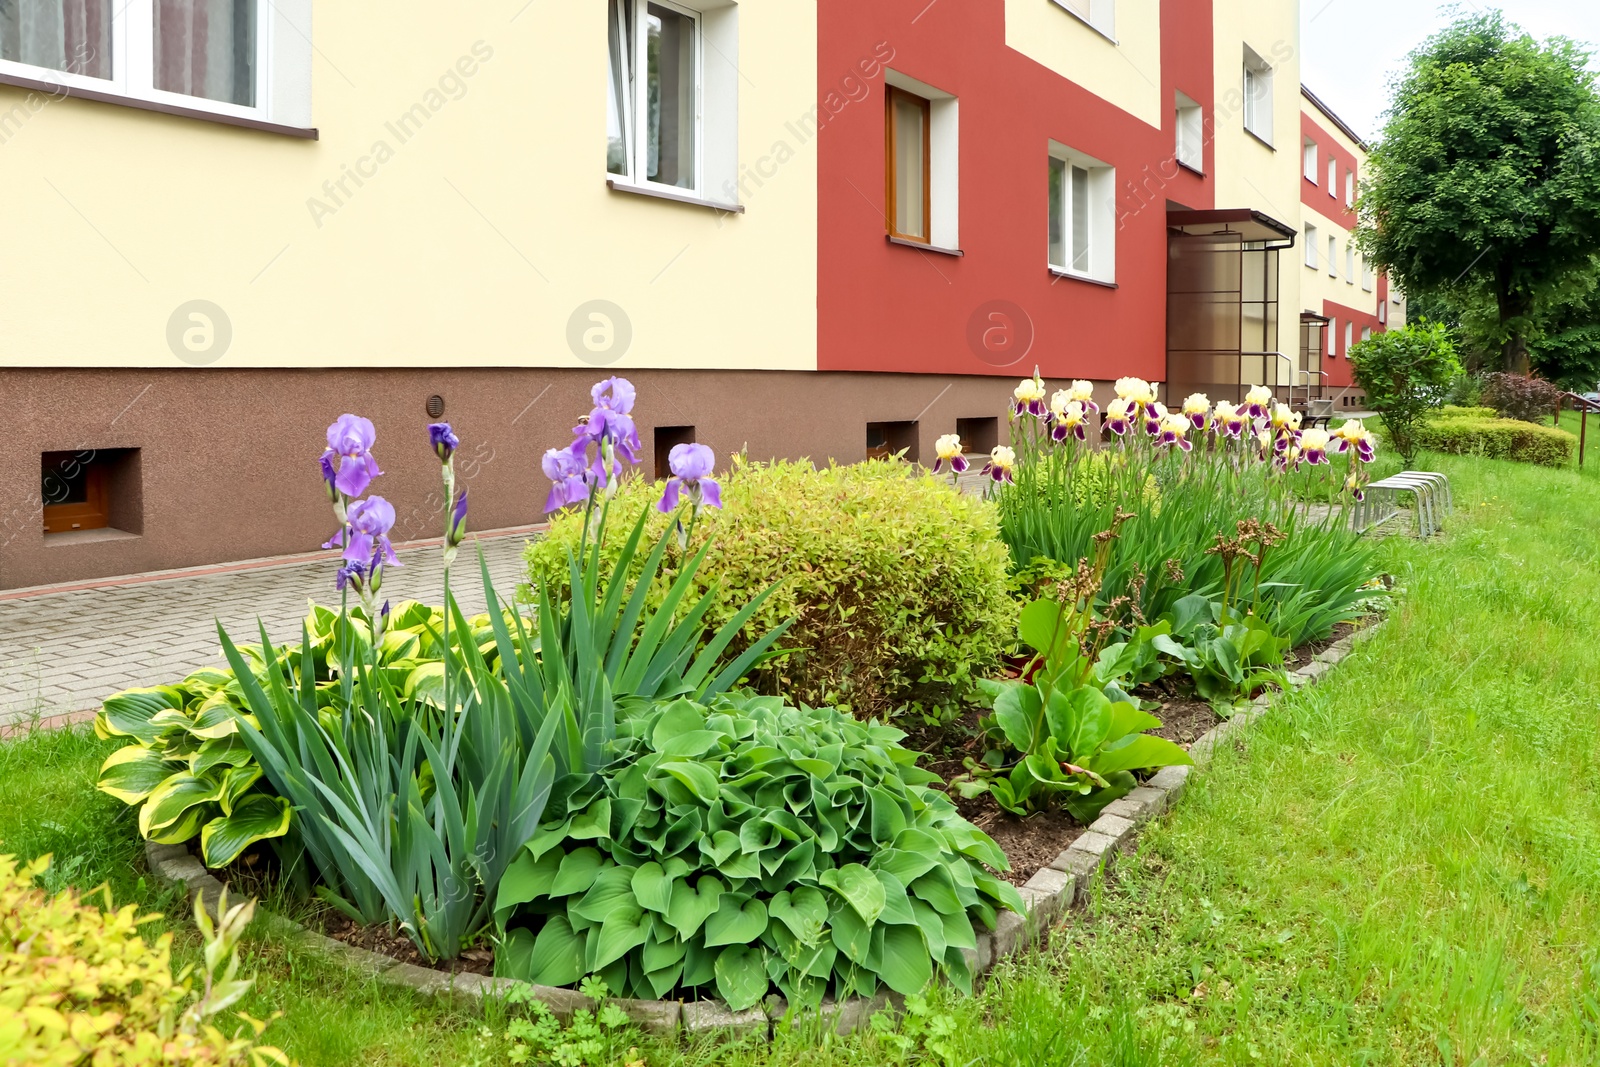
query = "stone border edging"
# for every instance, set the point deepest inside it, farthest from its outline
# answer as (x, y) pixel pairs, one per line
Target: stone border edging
(1047, 895)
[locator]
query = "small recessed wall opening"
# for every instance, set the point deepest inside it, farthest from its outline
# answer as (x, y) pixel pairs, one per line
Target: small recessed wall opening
(979, 436)
(92, 489)
(886, 439)
(667, 437)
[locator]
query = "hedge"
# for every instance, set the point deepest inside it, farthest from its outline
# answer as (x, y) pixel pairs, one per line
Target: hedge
(1524, 442)
(898, 584)
(1451, 411)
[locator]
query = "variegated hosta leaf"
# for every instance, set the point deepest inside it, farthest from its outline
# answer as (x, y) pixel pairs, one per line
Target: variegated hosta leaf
(129, 714)
(255, 818)
(426, 683)
(132, 773)
(171, 813)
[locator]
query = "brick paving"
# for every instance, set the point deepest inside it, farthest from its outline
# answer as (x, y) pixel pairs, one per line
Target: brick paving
(63, 652)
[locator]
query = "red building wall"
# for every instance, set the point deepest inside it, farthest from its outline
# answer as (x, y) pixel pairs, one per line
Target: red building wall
(885, 307)
(1315, 194)
(1338, 365)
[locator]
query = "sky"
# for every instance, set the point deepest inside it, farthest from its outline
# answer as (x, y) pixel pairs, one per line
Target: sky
(1353, 47)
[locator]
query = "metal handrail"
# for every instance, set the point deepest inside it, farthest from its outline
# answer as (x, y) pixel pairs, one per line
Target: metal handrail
(1586, 406)
(1292, 369)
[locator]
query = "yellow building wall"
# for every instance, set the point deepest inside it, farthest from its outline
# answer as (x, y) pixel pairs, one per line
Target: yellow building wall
(1125, 71)
(470, 243)
(1318, 285)
(1250, 173)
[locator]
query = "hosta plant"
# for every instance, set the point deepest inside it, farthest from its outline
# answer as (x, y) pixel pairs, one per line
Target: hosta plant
(738, 843)
(186, 768)
(1066, 733)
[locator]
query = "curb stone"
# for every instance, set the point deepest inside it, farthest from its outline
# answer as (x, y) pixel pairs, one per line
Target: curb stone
(1046, 896)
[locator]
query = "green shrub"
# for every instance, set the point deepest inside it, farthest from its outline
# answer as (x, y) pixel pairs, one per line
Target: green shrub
(1451, 411)
(1406, 374)
(897, 585)
(1524, 442)
(81, 985)
(744, 844)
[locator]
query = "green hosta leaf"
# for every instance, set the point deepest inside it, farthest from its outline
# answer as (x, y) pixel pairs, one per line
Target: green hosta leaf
(896, 907)
(128, 714)
(719, 846)
(255, 818)
(526, 880)
(592, 824)
(736, 921)
(652, 886)
(906, 966)
(132, 773)
(234, 784)
(859, 887)
(625, 929)
(224, 752)
(939, 890)
(612, 890)
(700, 781)
(577, 872)
(1139, 753)
(804, 911)
(172, 800)
(1016, 709)
(888, 816)
(557, 957)
(693, 905)
(681, 717)
(425, 683)
(851, 935)
(741, 976)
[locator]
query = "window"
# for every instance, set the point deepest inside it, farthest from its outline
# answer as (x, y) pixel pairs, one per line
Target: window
(212, 55)
(885, 439)
(1257, 95)
(1333, 256)
(1311, 246)
(1349, 263)
(1366, 333)
(1349, 338)
(1366, 274)
(666, 439)
(1311, 161)
(1191, 149)
(922, 163)
(91, 490)
(1383, 313)
(1349, 188)
(1333, 177)
(978, 436)
(910, 152)
(653, 121)
(1333, 337)
(1101, 14)
(1082, 215)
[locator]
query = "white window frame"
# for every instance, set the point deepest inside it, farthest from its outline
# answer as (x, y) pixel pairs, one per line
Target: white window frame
(1258, 93)
(1349, 263)
(1333, 337)
(1350, 188)
(1366, 333)
(1190, 149)
(1367, 277)
(1102, 215)
(1312, 248)
(282, 67)
(1311, 169)
(1383, 313)
(1349, 336)
(637, 149)
(1099, 15)
(1333, 256)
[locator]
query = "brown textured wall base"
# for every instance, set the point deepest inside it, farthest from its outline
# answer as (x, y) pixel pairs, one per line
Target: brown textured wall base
(228, 458)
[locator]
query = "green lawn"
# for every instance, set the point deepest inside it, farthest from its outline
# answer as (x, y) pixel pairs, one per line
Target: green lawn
(1399, 867)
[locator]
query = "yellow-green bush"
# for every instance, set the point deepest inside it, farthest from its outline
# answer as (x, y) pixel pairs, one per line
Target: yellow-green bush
(1496, 438)
(898, 584)
(81, 986)
(1451, 411)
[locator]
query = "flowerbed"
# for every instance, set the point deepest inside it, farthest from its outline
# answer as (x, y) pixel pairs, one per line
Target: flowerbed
(586, 790)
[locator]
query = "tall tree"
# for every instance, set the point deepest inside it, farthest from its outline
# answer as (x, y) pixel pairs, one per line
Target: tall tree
(1486, 184)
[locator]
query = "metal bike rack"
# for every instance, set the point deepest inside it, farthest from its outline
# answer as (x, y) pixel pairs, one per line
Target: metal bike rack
(1433, 496)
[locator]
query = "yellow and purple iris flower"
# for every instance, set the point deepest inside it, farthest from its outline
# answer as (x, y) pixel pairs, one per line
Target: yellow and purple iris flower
(1155, 413)
(1354, 435)
(1071, 421)
(1314, 446)
(1002, 462)
(1257, 402)
(350, 439)
(1119, 417)
(1083, 393)
(950, 454)
(1228, 420)
(1197, 409)
(1028, 398)
(1173, 433)
(691, 466)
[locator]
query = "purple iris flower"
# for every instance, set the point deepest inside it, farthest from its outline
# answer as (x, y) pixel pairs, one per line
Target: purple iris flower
(691, 465)
(444, 440)
(605, 424)
(351, 439)
(458, 521)
(370, 523)
(566, 468)
(349, 574)
(615, 395)
(329, 475)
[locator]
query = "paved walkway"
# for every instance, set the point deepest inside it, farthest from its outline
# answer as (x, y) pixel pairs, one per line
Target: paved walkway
(62, 652)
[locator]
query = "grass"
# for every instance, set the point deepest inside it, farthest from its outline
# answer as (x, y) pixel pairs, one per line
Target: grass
(1396, 868)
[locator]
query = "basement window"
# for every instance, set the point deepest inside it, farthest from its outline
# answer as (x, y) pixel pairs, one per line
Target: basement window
(885, 439)
(91, 489)
(668, 438)
(978, 436)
